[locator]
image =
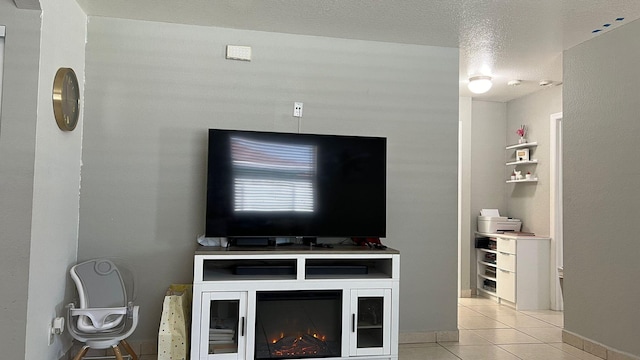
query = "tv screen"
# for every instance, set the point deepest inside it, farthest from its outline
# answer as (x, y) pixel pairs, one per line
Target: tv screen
(267, 184)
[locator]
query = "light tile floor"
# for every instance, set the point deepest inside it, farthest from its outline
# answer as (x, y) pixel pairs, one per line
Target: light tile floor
(489, 331)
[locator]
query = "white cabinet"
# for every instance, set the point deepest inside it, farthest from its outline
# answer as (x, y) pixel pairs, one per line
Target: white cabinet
(370, 322)
(521, 268)
(224, 324)
(295, 303)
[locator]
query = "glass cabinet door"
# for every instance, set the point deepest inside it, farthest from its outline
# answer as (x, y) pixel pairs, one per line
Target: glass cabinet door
(370, 322)
(223, 329)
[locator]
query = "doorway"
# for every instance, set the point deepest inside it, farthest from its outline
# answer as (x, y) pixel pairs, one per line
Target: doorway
(466, 254)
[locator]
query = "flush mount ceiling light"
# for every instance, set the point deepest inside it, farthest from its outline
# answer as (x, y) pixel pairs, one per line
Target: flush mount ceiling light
(480, 84)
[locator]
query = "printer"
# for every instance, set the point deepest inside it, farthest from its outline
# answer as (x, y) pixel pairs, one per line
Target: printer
(491, 222)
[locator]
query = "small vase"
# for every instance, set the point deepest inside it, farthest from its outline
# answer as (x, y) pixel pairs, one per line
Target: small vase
(522, 140)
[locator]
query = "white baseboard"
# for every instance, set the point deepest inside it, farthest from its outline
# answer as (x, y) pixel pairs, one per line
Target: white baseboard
(428, 337)
(595, 348)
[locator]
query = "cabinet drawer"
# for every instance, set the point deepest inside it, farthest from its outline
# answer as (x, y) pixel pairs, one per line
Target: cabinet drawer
(506, 285)
(506, 261)
(507, 245)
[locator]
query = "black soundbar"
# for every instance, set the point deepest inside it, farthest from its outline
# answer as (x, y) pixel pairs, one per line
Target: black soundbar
(337, 270)
(265, 270)
(250, 241)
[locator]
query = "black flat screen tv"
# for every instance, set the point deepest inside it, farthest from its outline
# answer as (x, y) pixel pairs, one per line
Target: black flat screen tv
(268, 184)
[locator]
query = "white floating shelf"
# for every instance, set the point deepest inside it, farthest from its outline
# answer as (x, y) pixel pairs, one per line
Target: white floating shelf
(524, 162)
(522, 181)
(523, 145)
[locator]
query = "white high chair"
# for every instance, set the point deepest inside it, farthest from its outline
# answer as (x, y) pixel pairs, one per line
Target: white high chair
(104, 317)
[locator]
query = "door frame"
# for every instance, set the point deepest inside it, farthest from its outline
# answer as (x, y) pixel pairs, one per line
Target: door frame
(555, 208)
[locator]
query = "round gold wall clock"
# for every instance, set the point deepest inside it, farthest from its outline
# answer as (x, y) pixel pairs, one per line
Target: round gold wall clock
(66, 99)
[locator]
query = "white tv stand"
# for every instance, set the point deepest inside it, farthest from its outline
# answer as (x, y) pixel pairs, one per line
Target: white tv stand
(231, 282)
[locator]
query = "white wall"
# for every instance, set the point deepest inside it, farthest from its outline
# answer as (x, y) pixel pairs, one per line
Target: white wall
(487, 167)
(530, 201)
(17, 153)
(56, 183)
(601, 197)
(153, 89)
(40, 177)
(482, 184)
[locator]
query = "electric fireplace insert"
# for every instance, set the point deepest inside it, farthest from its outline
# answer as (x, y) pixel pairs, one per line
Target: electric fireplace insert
(298, 324)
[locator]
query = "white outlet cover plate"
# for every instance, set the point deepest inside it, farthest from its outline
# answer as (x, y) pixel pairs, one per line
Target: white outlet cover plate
(297, 109)
(236, 52)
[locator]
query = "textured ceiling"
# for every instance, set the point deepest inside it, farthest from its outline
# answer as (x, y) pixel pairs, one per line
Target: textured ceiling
(507, 39)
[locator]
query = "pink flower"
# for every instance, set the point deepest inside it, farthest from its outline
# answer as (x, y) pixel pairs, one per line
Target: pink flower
(521, 131)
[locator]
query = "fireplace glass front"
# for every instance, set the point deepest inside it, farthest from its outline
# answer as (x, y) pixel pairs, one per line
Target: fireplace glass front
(298, 324)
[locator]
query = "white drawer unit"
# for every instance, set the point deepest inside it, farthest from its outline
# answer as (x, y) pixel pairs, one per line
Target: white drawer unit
(521, 267)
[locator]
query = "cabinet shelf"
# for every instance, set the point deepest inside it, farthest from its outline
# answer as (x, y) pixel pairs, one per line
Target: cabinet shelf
(369, 326)
(493, 293)
(487, 277)
(487, 263)
(488, 250)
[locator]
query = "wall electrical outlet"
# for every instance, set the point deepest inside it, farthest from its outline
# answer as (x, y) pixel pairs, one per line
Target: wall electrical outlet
(297, 109)
(56, 327)
(235, 52)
